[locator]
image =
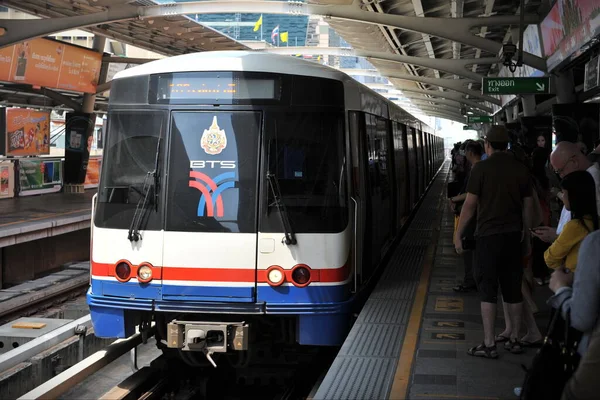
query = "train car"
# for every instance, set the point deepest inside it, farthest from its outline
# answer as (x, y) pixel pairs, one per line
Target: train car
(246, 199)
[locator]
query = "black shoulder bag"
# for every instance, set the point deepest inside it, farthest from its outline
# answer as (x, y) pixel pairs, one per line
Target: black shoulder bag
(554, 362)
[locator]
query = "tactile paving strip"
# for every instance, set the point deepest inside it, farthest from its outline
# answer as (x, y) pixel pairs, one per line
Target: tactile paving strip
(366, 363)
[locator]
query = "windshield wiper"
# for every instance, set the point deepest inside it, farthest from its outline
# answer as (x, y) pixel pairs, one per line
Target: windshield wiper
(290, 237)
(142, 205)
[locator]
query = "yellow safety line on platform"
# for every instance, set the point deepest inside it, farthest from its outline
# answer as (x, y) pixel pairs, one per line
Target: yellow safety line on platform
(409, 346)
(24, 221)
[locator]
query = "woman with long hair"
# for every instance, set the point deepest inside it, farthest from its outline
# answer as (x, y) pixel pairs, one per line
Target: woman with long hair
(579, 198)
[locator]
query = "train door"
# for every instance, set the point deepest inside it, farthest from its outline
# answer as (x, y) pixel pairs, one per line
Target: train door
(422, 162)
(413, 166)
(419, 166)
(402, 180)
(210, 239)
(379, 185)
(360, 195)
(430, 157)
(426, 157)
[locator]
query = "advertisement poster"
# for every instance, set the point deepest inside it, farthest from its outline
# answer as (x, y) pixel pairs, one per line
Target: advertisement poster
(576, 122)
(38, 176)
(52, 64)
(569, 25)
(7, 179)
(25, 132)
(92, 176)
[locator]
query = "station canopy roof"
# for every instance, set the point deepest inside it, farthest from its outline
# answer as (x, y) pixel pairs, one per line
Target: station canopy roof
(439, 62)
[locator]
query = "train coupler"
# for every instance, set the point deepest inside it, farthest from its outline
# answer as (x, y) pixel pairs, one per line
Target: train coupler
(207, 337)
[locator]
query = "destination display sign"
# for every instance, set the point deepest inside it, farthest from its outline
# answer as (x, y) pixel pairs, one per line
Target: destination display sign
(515, 85)
(486, 119)
(51, 64)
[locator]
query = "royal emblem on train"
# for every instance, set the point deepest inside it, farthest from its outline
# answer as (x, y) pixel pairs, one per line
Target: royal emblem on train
(213, 139)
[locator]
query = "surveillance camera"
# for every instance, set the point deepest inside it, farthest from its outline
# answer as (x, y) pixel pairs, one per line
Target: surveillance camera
(508, 52)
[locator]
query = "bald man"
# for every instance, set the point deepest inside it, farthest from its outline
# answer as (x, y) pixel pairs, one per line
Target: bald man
(566, 158)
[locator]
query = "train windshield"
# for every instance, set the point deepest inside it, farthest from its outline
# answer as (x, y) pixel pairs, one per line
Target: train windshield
(130, 155)
(305, 153)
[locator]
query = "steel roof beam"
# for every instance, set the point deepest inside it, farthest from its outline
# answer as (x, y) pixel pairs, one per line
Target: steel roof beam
(418, 7)
(390, 35)
(431, 109)
(489, 7)
(458, 67)
(435, 94)
(416, 98)
(17, 30)
(448, 28)
(452, 84)
(51, 94)
(456, 8)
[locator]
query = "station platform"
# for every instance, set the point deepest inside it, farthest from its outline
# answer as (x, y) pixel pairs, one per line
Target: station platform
(55, 223)
(30, 218)
(411, 338)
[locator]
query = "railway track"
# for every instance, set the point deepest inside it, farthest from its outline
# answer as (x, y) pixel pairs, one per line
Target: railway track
(35, 296)
(174, 380)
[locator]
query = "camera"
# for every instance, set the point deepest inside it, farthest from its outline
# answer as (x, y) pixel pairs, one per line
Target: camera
(507, 53)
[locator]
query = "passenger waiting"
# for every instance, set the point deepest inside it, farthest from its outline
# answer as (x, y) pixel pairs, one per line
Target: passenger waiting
(473, 152)
(565, 159)
(579, 295)
(579, 197)
(498, 192)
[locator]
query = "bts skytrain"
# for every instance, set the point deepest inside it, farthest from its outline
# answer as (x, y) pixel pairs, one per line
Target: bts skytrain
(246, 199)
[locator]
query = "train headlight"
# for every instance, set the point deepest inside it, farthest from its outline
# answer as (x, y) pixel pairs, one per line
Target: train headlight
(144, 273)
(122, 271)
(301, 275)
(275, 275)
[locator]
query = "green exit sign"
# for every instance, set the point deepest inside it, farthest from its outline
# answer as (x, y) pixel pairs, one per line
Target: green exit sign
(473, 119)
(515, 85)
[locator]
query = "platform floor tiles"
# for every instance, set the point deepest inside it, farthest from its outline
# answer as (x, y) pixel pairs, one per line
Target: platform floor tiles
(451, 324)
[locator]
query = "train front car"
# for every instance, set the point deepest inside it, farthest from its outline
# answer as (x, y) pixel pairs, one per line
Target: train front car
(222, 213)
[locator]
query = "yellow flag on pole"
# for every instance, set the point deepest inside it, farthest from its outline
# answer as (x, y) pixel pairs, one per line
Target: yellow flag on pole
(284, 37)
(258, 24)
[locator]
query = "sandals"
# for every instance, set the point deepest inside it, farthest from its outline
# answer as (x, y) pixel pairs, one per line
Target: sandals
(501, 338)
(483, 351)
(514, 346)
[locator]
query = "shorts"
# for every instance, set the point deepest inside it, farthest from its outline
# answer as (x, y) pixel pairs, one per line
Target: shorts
(499, 263)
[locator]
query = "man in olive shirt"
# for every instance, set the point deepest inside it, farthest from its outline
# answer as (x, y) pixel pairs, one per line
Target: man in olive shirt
(499, 192)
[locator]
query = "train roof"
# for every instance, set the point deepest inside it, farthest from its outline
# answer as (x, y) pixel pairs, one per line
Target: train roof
(256, 61)
(234, 61)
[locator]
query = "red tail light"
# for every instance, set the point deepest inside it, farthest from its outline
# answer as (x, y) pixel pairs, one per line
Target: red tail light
(301, 275)
(123, 271)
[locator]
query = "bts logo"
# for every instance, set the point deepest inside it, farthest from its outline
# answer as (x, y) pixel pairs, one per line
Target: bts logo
(211, 190)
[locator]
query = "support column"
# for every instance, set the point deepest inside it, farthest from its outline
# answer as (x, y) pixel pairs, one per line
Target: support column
(80, 125)
(565, 87)
(509, 115)
(528, 105)
(515, 108)
(90, 99)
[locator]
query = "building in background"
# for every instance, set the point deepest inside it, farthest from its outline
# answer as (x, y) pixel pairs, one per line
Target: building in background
(241, 27)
